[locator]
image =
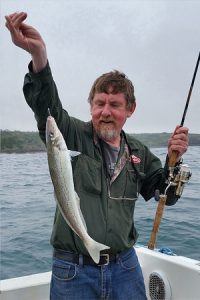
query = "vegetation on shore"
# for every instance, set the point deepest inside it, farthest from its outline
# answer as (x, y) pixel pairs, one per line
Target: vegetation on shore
(21, 142)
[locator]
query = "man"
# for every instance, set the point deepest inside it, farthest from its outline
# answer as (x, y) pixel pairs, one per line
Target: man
(109, 174)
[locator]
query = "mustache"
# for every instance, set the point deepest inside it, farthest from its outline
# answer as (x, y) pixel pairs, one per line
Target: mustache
(106, 120)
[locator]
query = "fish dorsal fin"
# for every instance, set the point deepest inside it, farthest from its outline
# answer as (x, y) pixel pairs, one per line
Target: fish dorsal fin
(79, 208)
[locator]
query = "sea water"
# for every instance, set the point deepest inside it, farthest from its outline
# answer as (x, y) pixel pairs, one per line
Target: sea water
(28, 206)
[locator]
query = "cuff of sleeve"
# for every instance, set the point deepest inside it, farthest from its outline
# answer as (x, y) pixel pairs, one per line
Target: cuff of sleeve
(43, 73)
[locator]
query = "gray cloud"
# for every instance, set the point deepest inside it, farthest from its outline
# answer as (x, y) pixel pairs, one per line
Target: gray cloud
(155, 43)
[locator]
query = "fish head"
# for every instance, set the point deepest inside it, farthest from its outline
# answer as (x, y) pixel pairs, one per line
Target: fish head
(54, 138)
(52, 131)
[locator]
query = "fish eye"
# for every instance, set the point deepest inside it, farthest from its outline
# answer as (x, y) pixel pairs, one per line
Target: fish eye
(51, 134)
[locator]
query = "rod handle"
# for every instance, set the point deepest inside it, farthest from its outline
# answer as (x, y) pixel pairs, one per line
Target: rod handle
(157, 221)
(173, 158)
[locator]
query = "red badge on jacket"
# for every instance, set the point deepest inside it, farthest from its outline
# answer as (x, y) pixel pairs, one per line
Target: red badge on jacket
(135, 159)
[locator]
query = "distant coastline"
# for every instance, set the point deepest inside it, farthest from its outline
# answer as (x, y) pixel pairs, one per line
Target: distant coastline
(23, 142)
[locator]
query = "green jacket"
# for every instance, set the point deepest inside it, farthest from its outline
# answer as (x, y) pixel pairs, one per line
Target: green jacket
(107, 205)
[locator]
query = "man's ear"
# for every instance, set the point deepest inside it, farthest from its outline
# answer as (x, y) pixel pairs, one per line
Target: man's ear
(131, 110)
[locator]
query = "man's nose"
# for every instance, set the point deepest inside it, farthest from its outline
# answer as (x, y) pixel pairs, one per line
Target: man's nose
(106, 111)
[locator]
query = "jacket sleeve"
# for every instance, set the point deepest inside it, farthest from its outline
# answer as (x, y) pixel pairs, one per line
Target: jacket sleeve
(41, 93)
(155, 179)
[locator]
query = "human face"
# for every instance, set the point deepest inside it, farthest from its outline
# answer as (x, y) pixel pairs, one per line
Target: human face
(109, 113)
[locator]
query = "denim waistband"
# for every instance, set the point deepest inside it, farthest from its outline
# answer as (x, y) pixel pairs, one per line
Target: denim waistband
(81, 259)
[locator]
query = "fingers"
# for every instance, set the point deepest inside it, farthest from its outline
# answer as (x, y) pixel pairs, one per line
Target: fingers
(180, 129)
(180, 135)
(14, 21)
(17, 17)
(15, 25)
(179, 141)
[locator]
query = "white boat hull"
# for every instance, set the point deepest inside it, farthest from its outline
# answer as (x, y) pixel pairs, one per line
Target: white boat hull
(171, 277)
(180, 275)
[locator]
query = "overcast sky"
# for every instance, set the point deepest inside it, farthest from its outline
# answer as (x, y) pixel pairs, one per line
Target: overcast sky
(156, 43)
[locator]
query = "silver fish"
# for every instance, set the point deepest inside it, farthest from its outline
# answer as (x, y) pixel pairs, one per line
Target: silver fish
(60, 169)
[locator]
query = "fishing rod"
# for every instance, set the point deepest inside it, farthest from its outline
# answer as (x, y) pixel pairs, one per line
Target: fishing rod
(178, 175)
(190, 90)
(173, 157)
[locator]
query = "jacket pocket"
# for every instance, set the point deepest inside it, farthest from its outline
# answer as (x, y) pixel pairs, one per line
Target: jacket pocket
(87, 174)
(125, 187)
(131, 186)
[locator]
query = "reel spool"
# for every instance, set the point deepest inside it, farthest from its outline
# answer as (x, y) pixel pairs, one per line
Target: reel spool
(181, 175)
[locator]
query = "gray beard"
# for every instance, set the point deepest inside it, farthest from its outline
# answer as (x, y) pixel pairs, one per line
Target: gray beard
(107, 135)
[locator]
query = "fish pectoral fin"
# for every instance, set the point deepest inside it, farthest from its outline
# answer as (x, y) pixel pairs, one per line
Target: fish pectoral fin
(74, 153)
(80, 212)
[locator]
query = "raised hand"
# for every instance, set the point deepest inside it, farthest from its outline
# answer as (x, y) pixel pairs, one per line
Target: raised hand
(27, 38)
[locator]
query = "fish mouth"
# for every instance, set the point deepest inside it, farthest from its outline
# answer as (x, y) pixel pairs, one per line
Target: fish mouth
(50, 119)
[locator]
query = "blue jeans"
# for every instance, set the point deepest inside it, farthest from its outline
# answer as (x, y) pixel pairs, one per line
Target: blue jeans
(119, 280)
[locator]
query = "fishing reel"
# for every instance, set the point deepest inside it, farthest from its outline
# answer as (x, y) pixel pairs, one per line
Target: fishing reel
(178, 176)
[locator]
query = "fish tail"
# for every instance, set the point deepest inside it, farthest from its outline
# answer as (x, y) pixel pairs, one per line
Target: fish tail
(94, 249)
